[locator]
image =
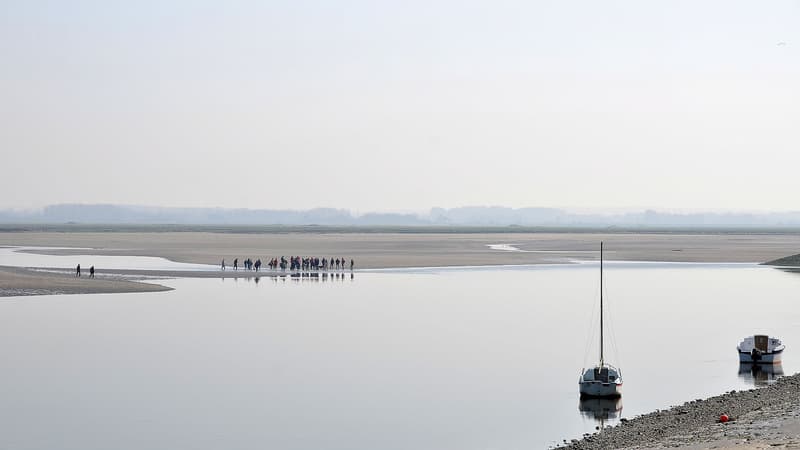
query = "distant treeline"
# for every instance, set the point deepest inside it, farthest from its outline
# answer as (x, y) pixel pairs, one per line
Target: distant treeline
(396, 229)
(486, 218)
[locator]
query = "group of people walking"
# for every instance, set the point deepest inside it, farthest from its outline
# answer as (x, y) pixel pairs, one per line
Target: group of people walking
(294, 263)
(78, 271)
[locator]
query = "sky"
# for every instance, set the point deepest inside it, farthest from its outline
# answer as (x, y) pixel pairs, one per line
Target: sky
(402, 106)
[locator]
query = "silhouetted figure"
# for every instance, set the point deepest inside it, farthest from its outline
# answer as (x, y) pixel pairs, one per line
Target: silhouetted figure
(78, 271)
(91, 272)
(223, 264)
(236, 264)
(352, 263)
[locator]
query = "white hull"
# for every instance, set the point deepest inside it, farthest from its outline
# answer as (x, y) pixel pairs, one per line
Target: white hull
(766, 358)
(601, 381)
(760, 349)
(598, 389)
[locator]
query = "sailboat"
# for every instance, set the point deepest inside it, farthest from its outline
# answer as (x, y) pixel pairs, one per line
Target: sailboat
(603, 380)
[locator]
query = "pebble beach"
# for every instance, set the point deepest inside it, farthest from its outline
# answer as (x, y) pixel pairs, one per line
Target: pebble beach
(760, 418)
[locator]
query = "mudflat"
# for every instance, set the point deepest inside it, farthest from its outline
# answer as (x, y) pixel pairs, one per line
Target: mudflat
(16, 281)
(369, 250)
(393, 250)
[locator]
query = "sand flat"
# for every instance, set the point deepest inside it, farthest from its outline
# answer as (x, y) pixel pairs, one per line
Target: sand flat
(371, 251)
(388, 250)
(16, 281)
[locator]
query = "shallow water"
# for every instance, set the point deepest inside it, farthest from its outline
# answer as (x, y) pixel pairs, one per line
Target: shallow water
(426, 359)
(18, 256)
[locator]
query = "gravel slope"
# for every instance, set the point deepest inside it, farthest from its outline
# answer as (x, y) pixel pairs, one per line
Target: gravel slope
(766, 417)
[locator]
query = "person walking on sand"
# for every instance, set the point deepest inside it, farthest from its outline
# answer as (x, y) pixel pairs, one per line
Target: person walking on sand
(91, 272)
(236, 264)
(352, 263)
(78, 271)
(223, 264)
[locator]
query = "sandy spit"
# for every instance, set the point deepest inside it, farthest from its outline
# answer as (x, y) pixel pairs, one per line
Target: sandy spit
(16, 281)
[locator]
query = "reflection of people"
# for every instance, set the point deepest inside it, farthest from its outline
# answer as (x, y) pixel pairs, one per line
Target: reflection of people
(78, 271)
(91, 272)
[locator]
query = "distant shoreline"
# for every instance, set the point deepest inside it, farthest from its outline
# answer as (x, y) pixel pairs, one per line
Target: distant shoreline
(399, 229)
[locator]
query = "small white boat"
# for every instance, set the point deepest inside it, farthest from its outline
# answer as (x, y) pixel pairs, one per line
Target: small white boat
(603, 380)
(760, 349)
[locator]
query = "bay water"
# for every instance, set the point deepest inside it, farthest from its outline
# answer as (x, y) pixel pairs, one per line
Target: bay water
(469, 358)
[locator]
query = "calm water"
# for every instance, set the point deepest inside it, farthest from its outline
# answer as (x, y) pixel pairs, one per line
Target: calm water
(427, 359)
(17, 256)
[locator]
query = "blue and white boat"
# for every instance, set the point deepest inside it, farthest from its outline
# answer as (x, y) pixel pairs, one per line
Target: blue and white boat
(760, 349)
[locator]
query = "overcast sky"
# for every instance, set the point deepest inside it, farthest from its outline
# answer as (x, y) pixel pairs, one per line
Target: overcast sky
(371, 105)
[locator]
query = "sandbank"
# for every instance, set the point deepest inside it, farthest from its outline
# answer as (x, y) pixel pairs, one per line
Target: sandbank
(16, 281)
(369, 250)
(396, 250)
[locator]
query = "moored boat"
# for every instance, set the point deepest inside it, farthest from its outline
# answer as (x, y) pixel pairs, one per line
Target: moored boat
(603, 380)
(760, 349)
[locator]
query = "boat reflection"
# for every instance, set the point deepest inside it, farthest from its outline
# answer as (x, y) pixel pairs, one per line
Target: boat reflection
(760, 374)
(601, 409)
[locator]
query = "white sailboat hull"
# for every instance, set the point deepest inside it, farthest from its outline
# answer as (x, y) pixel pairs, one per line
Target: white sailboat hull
(599, 389)
(601, 381)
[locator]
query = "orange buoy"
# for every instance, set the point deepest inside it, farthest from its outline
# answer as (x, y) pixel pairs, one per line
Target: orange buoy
(724, 418)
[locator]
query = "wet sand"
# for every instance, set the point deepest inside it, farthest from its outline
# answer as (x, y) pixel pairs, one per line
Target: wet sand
(22, 282)
(391, 250)
(370, 251)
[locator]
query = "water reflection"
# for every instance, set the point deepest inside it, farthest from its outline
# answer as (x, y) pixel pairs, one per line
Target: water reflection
(760, 374)
(314, 277)
(601, 410)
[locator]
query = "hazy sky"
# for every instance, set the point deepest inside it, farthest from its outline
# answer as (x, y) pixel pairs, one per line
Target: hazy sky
(371, 105)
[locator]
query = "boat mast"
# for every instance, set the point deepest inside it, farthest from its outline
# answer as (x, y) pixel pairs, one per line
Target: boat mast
(601, 303)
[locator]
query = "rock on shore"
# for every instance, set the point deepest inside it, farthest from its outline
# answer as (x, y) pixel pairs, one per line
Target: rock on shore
(766, 417)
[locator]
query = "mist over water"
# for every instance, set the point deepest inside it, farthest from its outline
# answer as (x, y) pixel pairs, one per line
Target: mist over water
(425, 359)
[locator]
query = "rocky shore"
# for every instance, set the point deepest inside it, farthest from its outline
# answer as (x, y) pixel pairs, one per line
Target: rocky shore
(760, 418)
